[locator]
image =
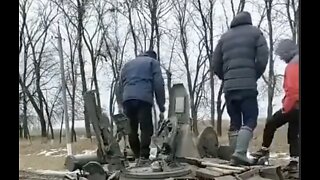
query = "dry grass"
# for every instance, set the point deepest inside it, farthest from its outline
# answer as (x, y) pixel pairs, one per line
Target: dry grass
(30, 157)
(30, 154)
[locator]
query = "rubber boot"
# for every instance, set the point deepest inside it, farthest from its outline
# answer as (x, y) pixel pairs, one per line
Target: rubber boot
(233, 135)
(239, 157)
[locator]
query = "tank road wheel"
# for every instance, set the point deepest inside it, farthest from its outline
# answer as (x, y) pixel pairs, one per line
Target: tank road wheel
(139, 173)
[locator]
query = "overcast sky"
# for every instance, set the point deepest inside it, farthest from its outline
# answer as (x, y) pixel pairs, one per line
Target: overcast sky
(280, 31)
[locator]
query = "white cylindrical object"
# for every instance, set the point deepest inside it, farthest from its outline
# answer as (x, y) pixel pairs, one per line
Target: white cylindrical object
(69, 149)
(64, 94)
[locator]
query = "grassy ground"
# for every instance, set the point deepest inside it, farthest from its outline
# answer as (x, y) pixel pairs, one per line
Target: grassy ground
(51, 155)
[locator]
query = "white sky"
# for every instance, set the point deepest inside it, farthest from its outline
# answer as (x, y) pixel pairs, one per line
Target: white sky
(280, 29)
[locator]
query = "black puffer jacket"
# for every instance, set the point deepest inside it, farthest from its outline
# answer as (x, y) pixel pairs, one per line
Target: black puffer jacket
(241, 56)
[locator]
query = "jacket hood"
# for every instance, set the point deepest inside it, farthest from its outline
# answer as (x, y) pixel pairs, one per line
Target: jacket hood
(241, 18)
(287, 50)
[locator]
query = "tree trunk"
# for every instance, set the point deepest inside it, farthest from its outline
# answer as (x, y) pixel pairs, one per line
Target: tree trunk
(194, 116)
(219, 120)
(158, 40)
(292, 20)
(34, 104)
(49, 115)
(212, 97)
(43, 128)
(298, 24)
(51, 128)
(192, 105)
(271, 81)
(60, 133)
(132, 29)
(219, 110)
(41, 118)
(95, 80)
(153, 11)
(40, 99)
(73, 132)
(209, 49)
(111, 109)
(81, 61)
(20, 131)
(26, 134)
(210, 63)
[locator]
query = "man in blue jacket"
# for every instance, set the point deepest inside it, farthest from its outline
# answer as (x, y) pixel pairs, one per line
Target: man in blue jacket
(140, 79)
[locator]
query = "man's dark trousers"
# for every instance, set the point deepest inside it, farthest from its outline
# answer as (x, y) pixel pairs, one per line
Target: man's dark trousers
(242, 107)
(279, 119)
(139, 112)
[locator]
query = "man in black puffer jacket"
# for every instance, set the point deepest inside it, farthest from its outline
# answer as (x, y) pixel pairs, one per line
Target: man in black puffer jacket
(239, 60)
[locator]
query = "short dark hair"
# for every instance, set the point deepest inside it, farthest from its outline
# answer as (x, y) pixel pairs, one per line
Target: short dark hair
(151, 53)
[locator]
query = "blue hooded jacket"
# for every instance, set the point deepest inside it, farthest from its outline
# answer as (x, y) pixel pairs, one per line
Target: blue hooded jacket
(140, 79)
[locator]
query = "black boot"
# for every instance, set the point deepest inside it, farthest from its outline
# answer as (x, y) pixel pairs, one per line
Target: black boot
(260, 153)
(292, 167)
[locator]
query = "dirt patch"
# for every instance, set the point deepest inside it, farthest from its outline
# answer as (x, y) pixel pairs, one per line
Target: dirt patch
(50, 155)
(27, 175)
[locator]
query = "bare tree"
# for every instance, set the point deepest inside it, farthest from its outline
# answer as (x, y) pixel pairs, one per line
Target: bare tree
(24, 6)
(97, 38)
(271, 80)
(157, 10)
(114, 47)
(23, 10)
(168, 70)
(60, 132)
(196, 83)
(77, 10)
(49, 110)
(37, 38)
(292, 5)
(34, 104)
(26, 133)
(240, 8)
(72, 75)
(80, 13)
(130, 5)
(207, 33)
(298, 24)
(152, 6)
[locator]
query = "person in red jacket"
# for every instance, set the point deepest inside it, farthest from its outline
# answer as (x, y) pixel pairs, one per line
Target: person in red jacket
(289, 113)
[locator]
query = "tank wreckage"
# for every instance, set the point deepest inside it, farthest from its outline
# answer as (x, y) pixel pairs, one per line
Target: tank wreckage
(179, 153)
